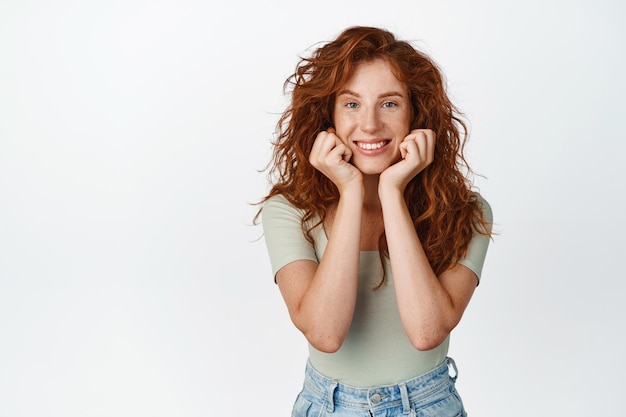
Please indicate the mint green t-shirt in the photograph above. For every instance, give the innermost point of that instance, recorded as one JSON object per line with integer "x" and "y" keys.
{"x": 376, "y": 350}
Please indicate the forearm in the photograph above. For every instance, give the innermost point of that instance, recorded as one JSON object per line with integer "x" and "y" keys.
{"x": 426, "y": 308}
{"x": 329, "y": 302}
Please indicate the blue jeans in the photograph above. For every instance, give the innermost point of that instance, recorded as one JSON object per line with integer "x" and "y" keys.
{"x": 429, "y": 395}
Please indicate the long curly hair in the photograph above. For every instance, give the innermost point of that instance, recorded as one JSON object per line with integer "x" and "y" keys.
{"x": 443, "y": 207}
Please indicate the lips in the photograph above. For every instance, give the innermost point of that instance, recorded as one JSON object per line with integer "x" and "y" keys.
{"x": 372, "y": 146}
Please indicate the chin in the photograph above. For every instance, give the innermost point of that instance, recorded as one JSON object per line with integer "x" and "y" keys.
{"x": 372, "y": 167}
{"x": 372, "y": 170}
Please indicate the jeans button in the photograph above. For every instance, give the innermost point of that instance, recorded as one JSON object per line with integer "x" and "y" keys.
{"x": 376, "y": 398}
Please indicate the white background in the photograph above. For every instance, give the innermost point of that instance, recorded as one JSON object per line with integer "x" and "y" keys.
{"x": 131, "y": 136}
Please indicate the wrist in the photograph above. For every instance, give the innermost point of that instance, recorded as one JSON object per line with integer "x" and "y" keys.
{"x": 353, "y": 187}
{"x": 390, "y": 190}
{"x": 354, "y": 190}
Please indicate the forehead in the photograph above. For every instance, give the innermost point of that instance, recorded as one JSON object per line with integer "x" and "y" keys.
{"x": 375, "y": 74}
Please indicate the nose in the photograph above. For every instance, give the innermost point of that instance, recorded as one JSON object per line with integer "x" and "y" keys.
{"x": 370, "y": 120}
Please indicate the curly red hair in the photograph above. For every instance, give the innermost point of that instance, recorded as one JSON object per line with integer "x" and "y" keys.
{"x": 444, "y": 209}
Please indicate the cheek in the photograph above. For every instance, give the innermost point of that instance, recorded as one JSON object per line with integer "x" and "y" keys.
{"x": 404, "y": 127}
{"x": 343, "y": 128}
{"x": 343, "y": 136}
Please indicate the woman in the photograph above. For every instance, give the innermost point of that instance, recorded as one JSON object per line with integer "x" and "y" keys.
{"x": 375, "y": 237}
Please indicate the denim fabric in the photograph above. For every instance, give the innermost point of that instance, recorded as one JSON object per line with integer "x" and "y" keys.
{"x": 430, "y": 395}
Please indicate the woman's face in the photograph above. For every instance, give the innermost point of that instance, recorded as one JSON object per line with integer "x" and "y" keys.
{"x": 372, "y": 116}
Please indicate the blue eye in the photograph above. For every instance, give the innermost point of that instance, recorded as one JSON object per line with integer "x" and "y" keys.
{"x": 389, "y": 104}
{"x": 351, "y": 105}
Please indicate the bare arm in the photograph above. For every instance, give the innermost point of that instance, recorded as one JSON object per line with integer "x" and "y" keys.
{"x": 429, "y": 306}
{"x": 321, "y": 298}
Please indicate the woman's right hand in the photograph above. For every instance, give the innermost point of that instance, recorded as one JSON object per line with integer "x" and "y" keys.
{"x": 330, "y": 156}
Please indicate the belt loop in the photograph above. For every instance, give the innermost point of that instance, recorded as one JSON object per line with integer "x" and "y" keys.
{"x": 452, "y": 364}
{"x": 331, "y": 396}
{"x": 406, "y": 406}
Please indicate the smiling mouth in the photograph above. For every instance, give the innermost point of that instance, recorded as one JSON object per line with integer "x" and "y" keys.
{"x": 372, "y": 146}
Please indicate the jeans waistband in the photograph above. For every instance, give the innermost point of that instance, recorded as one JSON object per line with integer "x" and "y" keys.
{"x": 382, "y": 396}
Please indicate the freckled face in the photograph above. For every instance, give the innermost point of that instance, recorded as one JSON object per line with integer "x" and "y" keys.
{"x": 372, "y": 116}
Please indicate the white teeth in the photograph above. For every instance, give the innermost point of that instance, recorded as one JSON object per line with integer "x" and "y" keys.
{"x": 371, "y": 146}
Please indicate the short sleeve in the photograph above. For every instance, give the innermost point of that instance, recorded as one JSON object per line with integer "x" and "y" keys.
{"x": 477, "y": 249}
{"x": 282, "y": 229}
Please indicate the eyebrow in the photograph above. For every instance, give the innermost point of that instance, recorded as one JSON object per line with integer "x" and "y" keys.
{"x": 387, "y": 94}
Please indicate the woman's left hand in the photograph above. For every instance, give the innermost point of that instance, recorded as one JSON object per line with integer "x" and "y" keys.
{"x": 417, "y": 151}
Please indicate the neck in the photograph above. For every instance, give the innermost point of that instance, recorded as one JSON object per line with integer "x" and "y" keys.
{"x": 371, "y": 200}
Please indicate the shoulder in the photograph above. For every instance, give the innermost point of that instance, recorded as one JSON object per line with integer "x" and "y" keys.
{"x": 478, "y": 245}
{"x": 485, "y": 207}
{"x": 278, "y": 213}
{"x": 285, "y": 238}
{"x": 277, "y": 200}
{"x": 277, "y": 206}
